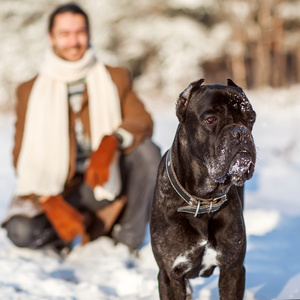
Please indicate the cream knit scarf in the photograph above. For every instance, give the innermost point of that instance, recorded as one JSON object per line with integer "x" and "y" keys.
{"x": 43, "y": 163}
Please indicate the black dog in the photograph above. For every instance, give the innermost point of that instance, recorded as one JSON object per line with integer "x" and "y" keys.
{"x": 197, "y": 221}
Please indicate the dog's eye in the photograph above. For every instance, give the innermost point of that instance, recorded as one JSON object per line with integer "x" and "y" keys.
{"x": 210, "y": 120}
{"x": 252, "y": 119}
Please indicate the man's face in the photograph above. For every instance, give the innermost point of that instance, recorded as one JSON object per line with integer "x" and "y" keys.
{"x": 69, "y": 36}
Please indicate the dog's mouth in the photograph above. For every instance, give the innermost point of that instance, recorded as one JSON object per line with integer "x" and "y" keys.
{"x": 233, "y": 168}
{"x": 241, "y": 168}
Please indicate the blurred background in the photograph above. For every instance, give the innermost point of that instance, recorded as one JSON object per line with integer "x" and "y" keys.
{"x": 165, "y": 44}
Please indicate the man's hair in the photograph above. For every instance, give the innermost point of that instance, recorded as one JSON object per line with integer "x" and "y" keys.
{"x": 69, "y": 7}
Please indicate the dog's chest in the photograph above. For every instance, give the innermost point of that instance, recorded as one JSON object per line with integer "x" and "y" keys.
{"x": 209, "y": 260}
{"x": 202, "y": 255}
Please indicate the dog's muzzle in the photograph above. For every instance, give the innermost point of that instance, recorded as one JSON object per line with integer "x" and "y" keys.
{"x": 235, "y": 156}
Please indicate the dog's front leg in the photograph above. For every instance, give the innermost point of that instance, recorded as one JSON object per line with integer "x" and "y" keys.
{"x": 171, "y": 289}
{"x": 232, "y": 283}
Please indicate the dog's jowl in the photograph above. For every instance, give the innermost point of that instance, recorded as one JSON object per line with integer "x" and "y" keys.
{"x": 197, "y": 215}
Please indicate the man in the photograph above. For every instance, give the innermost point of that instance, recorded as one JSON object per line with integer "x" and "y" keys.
{"x": 80, "y": 132}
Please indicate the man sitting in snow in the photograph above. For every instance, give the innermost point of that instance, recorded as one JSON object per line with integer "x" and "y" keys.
{"x": 85, "y": 163}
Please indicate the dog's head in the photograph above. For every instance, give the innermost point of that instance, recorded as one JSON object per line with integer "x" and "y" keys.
{"x": 218, "y": 122}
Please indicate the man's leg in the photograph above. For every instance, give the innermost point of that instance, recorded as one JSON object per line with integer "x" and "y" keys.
{"x": 36, "y": 232}
{"x": 139, "y": 169}
{"x": 99, "y": 215}
{"x": 31, "y": 232}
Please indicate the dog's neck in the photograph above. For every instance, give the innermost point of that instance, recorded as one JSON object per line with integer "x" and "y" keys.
{"x": 191, "y": 171}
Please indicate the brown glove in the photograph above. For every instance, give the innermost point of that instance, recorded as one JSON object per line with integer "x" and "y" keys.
{"x": 66, "y": 220}
{"x": 97, "y": 172}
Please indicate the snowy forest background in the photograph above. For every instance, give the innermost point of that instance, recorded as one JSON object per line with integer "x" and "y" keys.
{"x": 167, "y": 44}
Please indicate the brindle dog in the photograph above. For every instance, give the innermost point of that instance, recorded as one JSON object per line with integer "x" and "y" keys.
{"x": 197, "y": 220}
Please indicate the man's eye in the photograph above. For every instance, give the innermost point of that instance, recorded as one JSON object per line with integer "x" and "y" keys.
{"x": 210, "y": 120}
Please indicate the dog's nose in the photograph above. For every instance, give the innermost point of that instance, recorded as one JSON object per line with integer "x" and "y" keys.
{"x": 240, "y": 134}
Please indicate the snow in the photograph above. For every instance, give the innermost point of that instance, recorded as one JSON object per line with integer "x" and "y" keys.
{"x": 101, "y": 270}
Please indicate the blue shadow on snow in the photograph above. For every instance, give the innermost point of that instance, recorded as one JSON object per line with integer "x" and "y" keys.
{"x": 273, "y": 259}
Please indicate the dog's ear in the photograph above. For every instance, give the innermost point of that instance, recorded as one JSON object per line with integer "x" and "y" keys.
{"x": 231, "y": 83}
{"x": 184, "y": 98}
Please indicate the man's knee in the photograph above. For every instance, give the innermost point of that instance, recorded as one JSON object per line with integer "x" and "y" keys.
{"x": 146, "y": 155}
{"x": 150, "y": 152}
{"x": 20, "y": 231}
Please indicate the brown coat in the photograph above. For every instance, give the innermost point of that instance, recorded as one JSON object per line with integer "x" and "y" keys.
{"x": 135, "y": 119}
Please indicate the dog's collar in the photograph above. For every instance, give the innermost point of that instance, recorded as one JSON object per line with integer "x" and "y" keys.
{"x": 195, "y": 205}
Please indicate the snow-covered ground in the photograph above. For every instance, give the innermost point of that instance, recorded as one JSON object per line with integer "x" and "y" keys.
{"x": 100, "y": 270}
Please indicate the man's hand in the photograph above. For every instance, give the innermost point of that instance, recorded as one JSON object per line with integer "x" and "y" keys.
{"x": 66, "y": 220}
{"x": 97, "y": 172}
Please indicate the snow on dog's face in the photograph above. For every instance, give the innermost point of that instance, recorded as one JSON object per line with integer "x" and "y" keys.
{"x": 218, "y": 121}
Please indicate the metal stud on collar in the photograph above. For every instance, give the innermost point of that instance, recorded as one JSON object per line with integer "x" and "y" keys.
{"x": 197, "y": 210}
